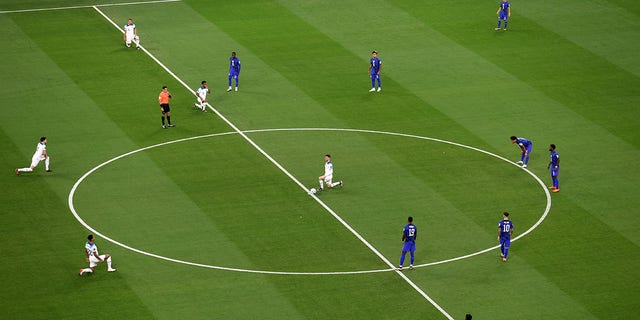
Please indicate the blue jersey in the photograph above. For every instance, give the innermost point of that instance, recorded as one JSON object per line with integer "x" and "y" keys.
{"x": 375, "y": 65}
{"x": 523, "y": 142}
{"x": 504, "y": 7}
{"x": 505, "y": 227}
{"x": 234, "y": 65}
{"x": 555, "y": 159}
{"x": 410, "y": 231}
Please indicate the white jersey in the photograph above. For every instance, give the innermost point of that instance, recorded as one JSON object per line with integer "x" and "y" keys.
{"x": 91, "y": 249}
{"x": 328, "y": 169}
{"x": 41, "y": 148}
{"x": 202, "y": 93}
{"x": 129, "y": 30}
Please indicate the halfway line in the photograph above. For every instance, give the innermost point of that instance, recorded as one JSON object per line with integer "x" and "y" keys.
{"x": 294, "y": 179}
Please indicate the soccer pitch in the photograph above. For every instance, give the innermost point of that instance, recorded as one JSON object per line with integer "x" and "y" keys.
{"x": 211, "y": 219}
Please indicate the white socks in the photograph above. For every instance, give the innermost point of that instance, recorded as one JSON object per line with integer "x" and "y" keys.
{"x": 46, "y": 163}
{"x": 321, "y": 184}
{"x": 25, "y": 169}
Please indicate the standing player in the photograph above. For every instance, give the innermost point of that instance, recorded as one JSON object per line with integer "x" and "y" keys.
{"x": 92, "y": 256}
{"x": 505, "y": 230}
{"x": 504, "y": 12}
{"x": 554, "y": 168}
{"x": 526, "y": 146}
{"x": 201, "y": 95}
{"x": 375, "y": 64}
{"x": 131, "y": 35}
{"x": 328, "y": 174}
{"x": 409, "y": 234}
{"x": 234, "y": 70}
{"x": 39, "y": 155}
{"x": 163, "y": 99}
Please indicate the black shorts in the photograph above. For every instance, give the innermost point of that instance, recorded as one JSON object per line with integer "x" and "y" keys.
{"x": 165, "y": 108}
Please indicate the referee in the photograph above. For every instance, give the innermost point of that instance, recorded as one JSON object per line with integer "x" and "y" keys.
{"x": 163, "y": 99}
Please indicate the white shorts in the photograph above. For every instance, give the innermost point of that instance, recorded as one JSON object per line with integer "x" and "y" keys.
{"x": 200, "y": 100}
{"x": 93, "y": 261}
{"x": 328, "y": 178}
{"x": 130, "y": 38}
{"x": 36, "y": 160}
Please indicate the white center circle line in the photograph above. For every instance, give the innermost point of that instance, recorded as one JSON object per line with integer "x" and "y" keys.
{"x": 88, "y": 227}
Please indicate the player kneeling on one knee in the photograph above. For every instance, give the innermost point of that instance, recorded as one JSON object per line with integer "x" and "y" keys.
{"x": 328, "y": 174}
{"x": 93, "y": 258}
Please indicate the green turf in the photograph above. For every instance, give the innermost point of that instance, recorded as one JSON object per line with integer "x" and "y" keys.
{"x": 557, "y": 76}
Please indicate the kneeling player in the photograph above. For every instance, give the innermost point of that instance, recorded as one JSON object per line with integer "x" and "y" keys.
{"x": 131, "y": 35}
{"x": 91, "y": 252}
{"x": 39, "y": 155}
{"x": 328, "y": 174}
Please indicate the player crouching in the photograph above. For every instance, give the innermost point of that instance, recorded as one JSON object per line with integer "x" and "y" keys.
{"x": 92, "y": 256}
{"x": 328, "y": 174}
{"x": 131, "y": 35}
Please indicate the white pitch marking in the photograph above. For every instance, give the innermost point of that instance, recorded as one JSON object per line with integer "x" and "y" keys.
{"x": 77, "y": 216}
{"x": 294, "y": 179}
{"x": 544, "y": 186}
{"x": 72, "y": 208}
{"x": 88, "y": 6}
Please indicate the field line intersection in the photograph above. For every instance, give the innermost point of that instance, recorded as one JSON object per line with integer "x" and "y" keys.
{"x": 242, "y": 133}
{"x": 88, "y": 6}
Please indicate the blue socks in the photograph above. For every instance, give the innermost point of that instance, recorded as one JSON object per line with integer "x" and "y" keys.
{"x": 237, "y": 80}
{"x": 556, "y": 183}
{"x": 404, "y": 255}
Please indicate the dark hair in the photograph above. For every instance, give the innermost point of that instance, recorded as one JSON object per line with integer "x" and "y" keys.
{"x": 506, "y": 214}
{"x": 43, "y": 138}
{"x": 553, "y": 146}
{"x": 468, "y": 316}
{"x": 233, "y": 52}
{"x": 410, "y": 219}
{"x": 327, "y": 155}
{"x": 164, "y": 87}
{"x": 203, "y": 82}
{"x": 90, "y": 237}
{"x": 372, "y": 52}
{"x": 514, "y": 137}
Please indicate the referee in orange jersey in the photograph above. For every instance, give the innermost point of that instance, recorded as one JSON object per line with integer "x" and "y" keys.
{"x": 163, "y": 99}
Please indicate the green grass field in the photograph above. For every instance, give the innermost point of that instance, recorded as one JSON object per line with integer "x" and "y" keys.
{"x": 566, "y": 73}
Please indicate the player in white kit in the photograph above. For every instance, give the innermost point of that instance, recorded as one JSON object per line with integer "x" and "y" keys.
{"x": 39, "y": 155}
{"x": 328, "y": 174}
{"x": 201, "y": 95}
{"x": 93, "y": 257}
{"x": 131, "y": 34}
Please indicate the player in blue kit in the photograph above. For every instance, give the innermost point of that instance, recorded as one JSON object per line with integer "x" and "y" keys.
{"x": 409, "y": 233}
{"x": 505, "y": 230}
{"x": 526, "y": 146}
{"x": 554, "y": 168}
{"x": 504, "y": 12}
{"x": 374, "y": 71}
{"x": 234, "y": 70}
